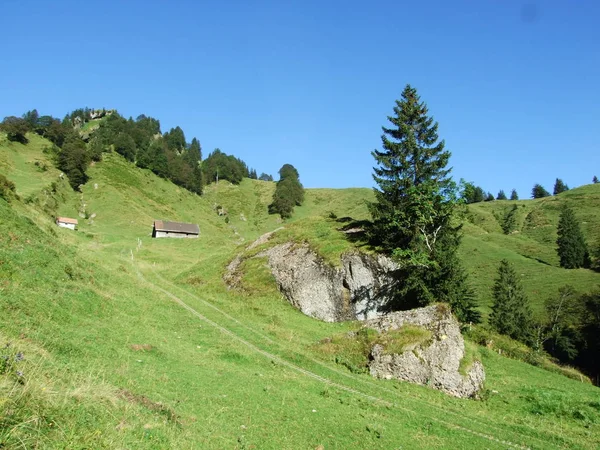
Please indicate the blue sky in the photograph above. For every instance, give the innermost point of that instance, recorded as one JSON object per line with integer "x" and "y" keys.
{"x": 513, "y": 84}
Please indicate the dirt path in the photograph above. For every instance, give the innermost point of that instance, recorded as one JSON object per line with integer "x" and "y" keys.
{"x": 307, "y": 373}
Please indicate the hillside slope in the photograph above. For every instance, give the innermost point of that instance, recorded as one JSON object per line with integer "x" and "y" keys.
{"x": 134, "y": 342}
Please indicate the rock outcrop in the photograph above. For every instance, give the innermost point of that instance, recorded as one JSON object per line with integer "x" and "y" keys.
{"x": 359, "y": 289}
{"x": 435, "y": 363}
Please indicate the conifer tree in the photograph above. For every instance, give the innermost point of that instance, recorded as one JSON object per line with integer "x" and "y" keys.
{"x": 501, "y": 195}
{"x": 595, "y": 179}
{"x": 510, "y": 220}
{"x": 195, "y": 150}
{"x": 538, "y": 191}
{"x": 413, "y": 207}
{"x": 489, "y": 197}
{"x": 560, "y": 186}
{"x": 511, "y": 314}
{"x": 572, "y": 249}
{"x": 514, "y": 195}
{"x": 289, "y": 192}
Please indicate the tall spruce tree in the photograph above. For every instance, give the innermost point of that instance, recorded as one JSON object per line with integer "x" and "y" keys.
{"x": 560, "y": 186}
{"x": 412, "y": 212}
{"x": 501, "y": 195}
{"x": 595, "y": 179}
{"x": 511, "y": 314}
{"x": 514, "y": 195}
{"x": 572, "y": 249}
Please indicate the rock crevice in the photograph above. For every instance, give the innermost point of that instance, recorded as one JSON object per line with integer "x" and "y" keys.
{"x": 359, "y": 289}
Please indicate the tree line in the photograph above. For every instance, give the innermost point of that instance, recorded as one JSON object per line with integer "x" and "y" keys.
{"x": 139, "y": 141}
{"x": 470, "y": 193}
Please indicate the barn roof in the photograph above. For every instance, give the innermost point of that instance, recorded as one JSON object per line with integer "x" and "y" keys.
{"x": 176, "y": 227}
{"x": 66, "y": 220}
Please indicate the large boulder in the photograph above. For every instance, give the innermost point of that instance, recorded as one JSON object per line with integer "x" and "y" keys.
{"x": 359, "y": 289}
{"x": 434, "y": 363}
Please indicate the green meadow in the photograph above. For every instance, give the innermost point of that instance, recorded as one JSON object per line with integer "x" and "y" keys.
{"x": 132, "y": 342}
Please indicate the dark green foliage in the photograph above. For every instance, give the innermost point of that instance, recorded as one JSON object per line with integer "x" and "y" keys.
{"x": 538, "y": 191}
{"x": 572, "y": 249}
{"x": 175, "y": 139}
{"x": 15, "y": 129}
{"x": 125, "y": 146}
{"x": 559, "y": 186}
{"x": 57, "y": 132}
{"x": 253, "y": 175}
{"x": 220, "y": 166}
{"x": 265, "y": 177}
{"x": 514, "y": 195}
{"x": 509, "y": 223}
{"x": 31, "y": 117}
{"x": 563, "y": 337}
{"x": 472, "y": 194}
{"x": 501, "y": 195}
{"x": 511, "y": 314}
{"x": 489, "y": 197}
{"x": 289, "y": 192}
{"x": 413, "y": 209}
{"x": 195, "y": 150}
{"x": 7, "y": 188}
{"x": 595, "y": 179}
{"x": 155, "y": 158}
{"x": 588, "y": 357}
{"x": 73, "y": 160}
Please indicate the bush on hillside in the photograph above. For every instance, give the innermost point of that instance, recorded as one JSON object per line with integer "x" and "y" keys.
{"x": 7, "y": 188}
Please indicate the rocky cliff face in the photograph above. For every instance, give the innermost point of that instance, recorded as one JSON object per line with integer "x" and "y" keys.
{"x": 359, "y": 289}
{"x": 435, "y": 363}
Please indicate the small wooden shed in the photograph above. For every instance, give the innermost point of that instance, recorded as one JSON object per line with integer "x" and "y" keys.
{"x": 66, "y": 222}
{"x": 164, "y": 228}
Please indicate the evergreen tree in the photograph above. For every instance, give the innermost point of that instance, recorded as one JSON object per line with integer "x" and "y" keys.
{"x": 595, "y": 179}
{"x": 501, "y": 195}
{"x": 559, "y": 186}
{"x": 572, "y": 249}
{"x": 31, "y": 117}
{"x": 265, "y": 177}
{"x": 489, "y": 197}
{"x": 73, "y": 160}
{"x": 196, "y": 150}
{"x": 538, "y": 191}
{"x": 125, "y": 145}
{"x": 514, "y": 195}
{"x": 510, "y": 220}
{"x": 414, "y": 204}
{"x": 289, "y": 192}
{"x": 175, "y": 139}
{"x": 471, "y": 193}
{"x": 511, "y": 314}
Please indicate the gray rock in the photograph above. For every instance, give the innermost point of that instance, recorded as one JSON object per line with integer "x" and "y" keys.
{"x": 359, "y": 289}
{"x": 435, "y": 363}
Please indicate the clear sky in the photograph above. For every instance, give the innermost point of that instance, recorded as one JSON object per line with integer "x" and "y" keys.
{"x": 514, "y": 85}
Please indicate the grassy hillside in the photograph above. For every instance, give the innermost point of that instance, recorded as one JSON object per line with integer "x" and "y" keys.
{"x": 132, "y": 342}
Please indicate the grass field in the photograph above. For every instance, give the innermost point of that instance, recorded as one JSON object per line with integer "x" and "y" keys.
{"x": 131, "y": 342}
